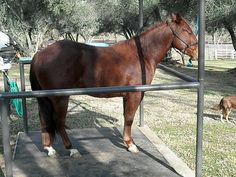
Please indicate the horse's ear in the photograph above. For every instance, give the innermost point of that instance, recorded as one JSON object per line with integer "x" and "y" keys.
{"x": 175, "y": 17}
{"x": 168, "y": 20}
{"x": 171, "y": 18}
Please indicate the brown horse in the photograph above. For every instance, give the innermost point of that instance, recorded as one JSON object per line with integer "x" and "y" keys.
{"x": 66, "y": 64}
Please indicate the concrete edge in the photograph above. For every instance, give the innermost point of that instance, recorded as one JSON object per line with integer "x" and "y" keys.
{"x": 17, "y": 139}
{"x": 178, "y": 164}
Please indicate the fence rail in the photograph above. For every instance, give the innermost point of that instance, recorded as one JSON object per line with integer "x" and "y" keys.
{"x": 220, "y": 51}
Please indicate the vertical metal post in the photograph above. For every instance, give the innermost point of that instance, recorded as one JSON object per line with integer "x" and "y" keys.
{"x": 140, "y": 14}
{"x": 141, "y": 113}
{"x": 6, "y": 89}
{"x": 22, "y": 82}
{"x": 200, "y": 98}
{"x": 6, "y": 138}
{"x": 141, "y": 110}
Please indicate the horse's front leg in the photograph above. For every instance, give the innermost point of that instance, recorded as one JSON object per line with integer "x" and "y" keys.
{"x": 130, "y": 103}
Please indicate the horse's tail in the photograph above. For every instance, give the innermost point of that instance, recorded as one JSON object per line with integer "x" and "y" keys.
{"x": 45, "y": 106}
{"x": 218, "y": 107}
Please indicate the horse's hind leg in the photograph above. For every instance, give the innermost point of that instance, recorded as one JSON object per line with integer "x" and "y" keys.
{"x": 60, "y": 105}
{"x": 130, "y": 103}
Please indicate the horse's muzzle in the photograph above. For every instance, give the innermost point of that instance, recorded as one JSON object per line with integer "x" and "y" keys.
{"x": 195, "y": 54}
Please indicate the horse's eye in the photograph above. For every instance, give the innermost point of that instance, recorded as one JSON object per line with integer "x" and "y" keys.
{"x": 189, "y": 32}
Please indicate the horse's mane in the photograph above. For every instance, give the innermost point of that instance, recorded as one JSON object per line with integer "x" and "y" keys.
{"x": 146, "y": 30}
{"x": 152, "y": 27}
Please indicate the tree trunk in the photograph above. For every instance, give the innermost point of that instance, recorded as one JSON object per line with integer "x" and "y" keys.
{"x": 230, "y": 28}
{"x": 157, "y": 14}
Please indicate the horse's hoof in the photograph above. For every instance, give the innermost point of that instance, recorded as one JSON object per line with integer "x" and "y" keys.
{"x": 75, "y": 153}
{"x": 52, "y": 155}
{"x": 133, "y": 148}
{"x": 51, "y": 152}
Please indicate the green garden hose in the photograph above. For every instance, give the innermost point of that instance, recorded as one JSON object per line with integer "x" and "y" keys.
{"x": 16, "y": 103}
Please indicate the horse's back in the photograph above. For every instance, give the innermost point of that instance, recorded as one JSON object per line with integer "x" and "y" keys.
{"x": 68, "y": 64}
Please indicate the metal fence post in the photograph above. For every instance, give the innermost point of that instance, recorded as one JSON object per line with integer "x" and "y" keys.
{"x": 200, "y": 98}
{"x": 24, "y": 108}
{"x": 6, "y": 138}
{"x": 6, "y": 89}
{"x": 141, "y": 106}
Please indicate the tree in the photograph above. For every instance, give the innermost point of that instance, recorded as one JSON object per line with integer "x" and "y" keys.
{"x": 221, "y": 15}
{"x": 25, "y": 22}
{"x": 28, "y": 23}
{"x": 73, "y": 18}
{"x": 122, "y": 16}
{"x": 114, "y": 15}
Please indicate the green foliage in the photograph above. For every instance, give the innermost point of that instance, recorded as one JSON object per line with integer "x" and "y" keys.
{"x": 221, "y": 15}
{"x": 122, "y": 16}
{"x": 25, "y": 22}
{"x": 29, "y": 23}
{"x": 187, "y": 8}
{"x": 218, "y": 12}
{"x": 116, "y": 16}
{"x": 74, "y": 17}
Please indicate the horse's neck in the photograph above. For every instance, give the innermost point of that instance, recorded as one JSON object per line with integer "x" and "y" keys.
{"x": 156, "y": 42}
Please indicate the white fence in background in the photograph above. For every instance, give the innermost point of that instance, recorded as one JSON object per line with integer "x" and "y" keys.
{"x": 220, "y": 51}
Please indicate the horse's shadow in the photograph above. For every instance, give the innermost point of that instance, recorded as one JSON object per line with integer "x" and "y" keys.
{"x": 212, "y": 116}
{"x": 86, "y": 117}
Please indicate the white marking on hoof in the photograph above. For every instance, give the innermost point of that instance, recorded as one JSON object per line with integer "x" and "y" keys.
{"x": 51, "y": 151}
{"x": 133, "y": 148}
{"x": 74, "y": 153}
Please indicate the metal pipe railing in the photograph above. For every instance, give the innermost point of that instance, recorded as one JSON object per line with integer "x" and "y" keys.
{"x": 98, "y": 90}
{"x": 67, "y": 92}
{"x": 176, "y": 73}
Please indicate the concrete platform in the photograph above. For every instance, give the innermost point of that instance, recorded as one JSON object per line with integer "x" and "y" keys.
{"x": 103, "y": 155}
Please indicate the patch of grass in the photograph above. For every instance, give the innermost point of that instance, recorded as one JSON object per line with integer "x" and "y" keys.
{"x": 181, "y": 139}
{"x": 219, "y": 65}
{"x": 219, "y": 140}
{"x": 219, "y": 153}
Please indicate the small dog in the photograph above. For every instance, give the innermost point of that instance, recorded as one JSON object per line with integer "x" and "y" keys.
{"x": 225, "y": 105}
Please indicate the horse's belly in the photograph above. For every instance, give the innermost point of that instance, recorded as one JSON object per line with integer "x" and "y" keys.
{"x": 108, "y": 95}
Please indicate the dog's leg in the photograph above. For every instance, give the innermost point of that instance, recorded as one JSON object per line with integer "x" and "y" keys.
{"x": 221, "y": 115}
{"x": 227, "y": 114}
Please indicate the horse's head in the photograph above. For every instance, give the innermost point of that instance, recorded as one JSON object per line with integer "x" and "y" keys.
{"x": 183, "y": 36}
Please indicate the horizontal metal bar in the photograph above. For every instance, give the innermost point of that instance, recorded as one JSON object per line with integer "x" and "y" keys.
{"x": 176, "y": 73}
{"x": 25, "y": 61}
{"x": 99, "y": 90}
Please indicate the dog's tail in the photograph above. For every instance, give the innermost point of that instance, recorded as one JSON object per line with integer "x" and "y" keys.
{"x": 218, "y": 107}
